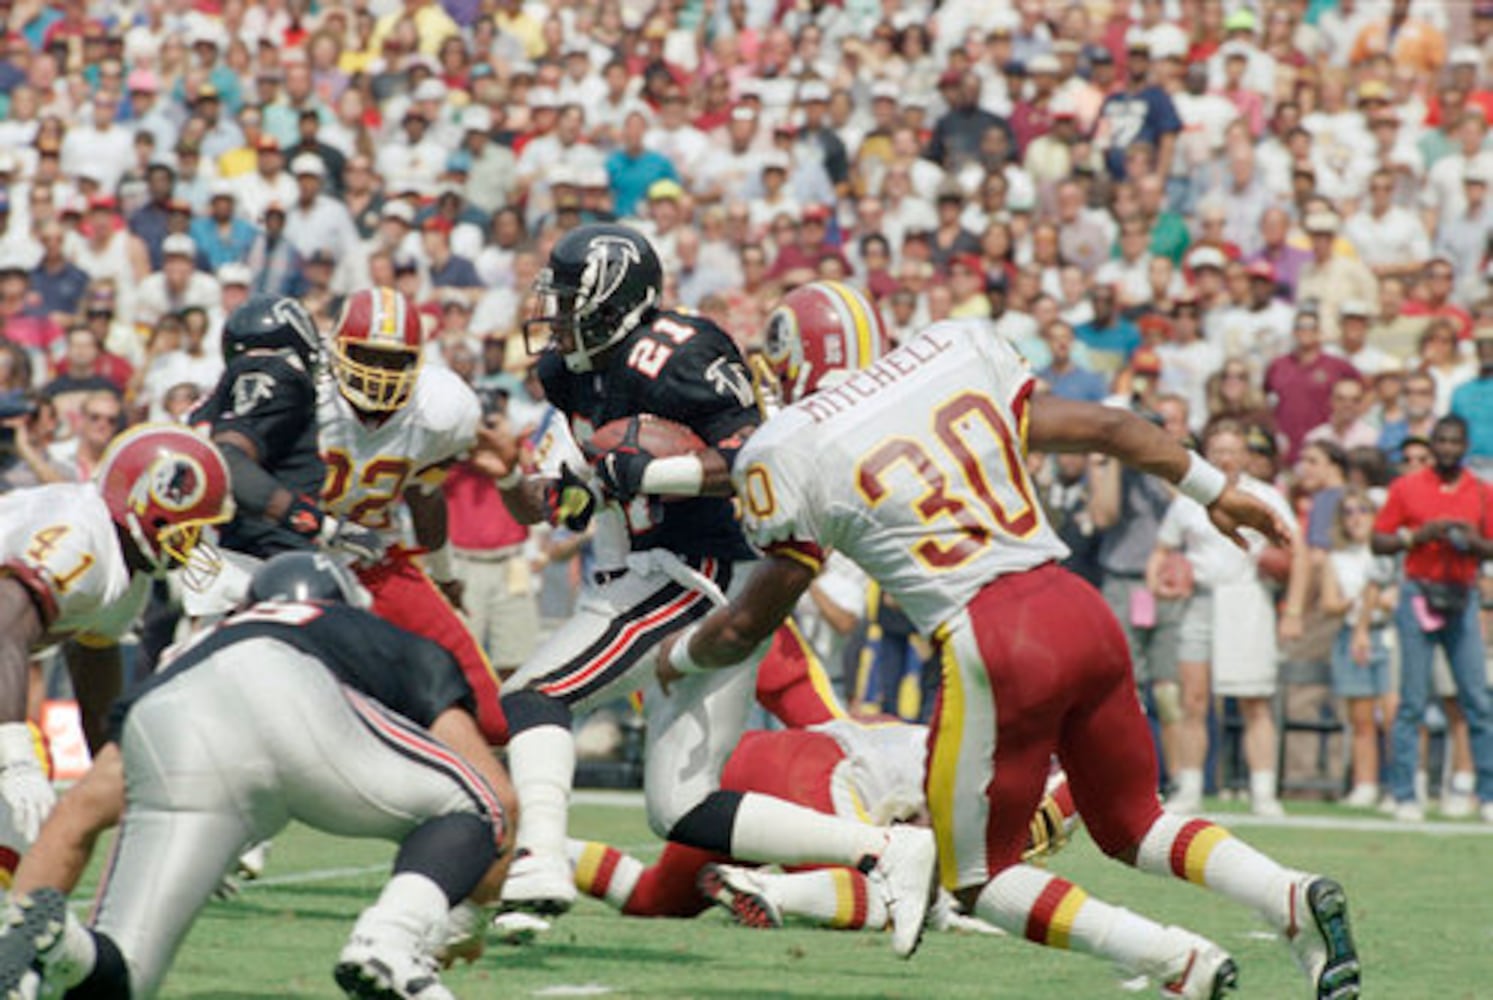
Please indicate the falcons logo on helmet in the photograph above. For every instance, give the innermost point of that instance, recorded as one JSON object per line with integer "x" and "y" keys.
{"x": 605, "y": 271}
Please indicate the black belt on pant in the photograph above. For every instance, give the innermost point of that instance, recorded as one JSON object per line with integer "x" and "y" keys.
{"x": 602, "y": 577}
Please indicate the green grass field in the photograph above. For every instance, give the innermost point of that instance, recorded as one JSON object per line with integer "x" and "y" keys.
{"x": 1422, "y": 909}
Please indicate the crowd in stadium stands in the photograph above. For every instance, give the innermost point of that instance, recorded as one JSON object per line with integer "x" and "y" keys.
{"x": 1263, "y": 223}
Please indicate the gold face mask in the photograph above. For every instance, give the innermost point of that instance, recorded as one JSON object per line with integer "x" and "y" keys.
{"x": 375, "y": 379}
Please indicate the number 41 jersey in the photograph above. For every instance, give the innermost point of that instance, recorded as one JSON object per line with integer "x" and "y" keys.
{"x": 914, "y": 468}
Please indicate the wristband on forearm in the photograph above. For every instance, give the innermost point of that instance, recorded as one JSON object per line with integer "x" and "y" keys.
{"x": 679, "y": 657}
{"x": 510, "y": 479}
{"x": 676, "y": 475}
{"x": 1204, "y": 481}
{"x": 438, "y": 564}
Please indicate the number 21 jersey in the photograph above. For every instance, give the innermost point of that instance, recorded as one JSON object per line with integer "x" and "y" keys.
{"x": 914, "y": 468}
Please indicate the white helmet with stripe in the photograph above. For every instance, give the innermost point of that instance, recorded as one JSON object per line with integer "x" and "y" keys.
{"x": 376, "y": 349}
{"x": 820, "y": 333}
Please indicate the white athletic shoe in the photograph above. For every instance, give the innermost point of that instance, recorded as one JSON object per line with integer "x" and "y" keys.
{"x": 904, "y": 877}
{"x": 1179, "y": 804}
{"x": 539, "y": 882}
{"x": 1321, "y": 939}
{"x": 1268, "y": 808}
{"x": 253, "y": 862}
{"x": 1456, "y": 805}
{"x": 1203, "y": 970}
{"x": 741, "y": 893}
{"x": 1409, "y": 812}
{"x": 382, "y": 961}
{"x": 1486, "y": 812}
{"x": 32, "y": 927}
{"x": 944, "y": 915}
{"x": 1362, "y": 797}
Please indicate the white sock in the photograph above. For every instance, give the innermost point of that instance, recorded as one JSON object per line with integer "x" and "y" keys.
{"x": 1262, "y": 786}
{"x": 413, "y": 904}
{"x": 770, "y": 830}
{"x": 1027, "y": 902}
{"x": 1461, "y": 783}
{"x": 1206, "y": 853}
{"x": 1422, "y": 787}
{"x": 541, "y": 762}
{"x": 1190, "y": 783}
{"x": 836, "y": 897}
{"x": 76, "y": 958}
{"x": 603, "y": 872}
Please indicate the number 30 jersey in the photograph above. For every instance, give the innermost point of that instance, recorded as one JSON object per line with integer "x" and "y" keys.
{"x": 60, "y": 544}
{"x": 370, "y": 464}
{"x": 914, "y": 468}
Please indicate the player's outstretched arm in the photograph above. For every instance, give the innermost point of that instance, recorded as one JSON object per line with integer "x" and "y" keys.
{"x": 729, "y": 634}
{"x": 97, "y": 672}
{"x": 60, "y": 854}
{"x": 1055, "y": 424}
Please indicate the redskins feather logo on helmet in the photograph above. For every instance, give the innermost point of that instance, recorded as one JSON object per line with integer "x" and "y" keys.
{"x": 164, "y": 485}
{"x": 818, "y": 334}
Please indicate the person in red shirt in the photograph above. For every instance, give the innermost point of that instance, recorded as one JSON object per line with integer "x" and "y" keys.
{"x": 491, "y": 563}
{"x": 1301, "y": 382}
{"x": 1442, "y": 518}
{"x": 1434, "y": 299}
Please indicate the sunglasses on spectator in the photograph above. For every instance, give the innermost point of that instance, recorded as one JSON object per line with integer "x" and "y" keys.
{"x": 97, "y": 417}
{"x": 1353, "y": 509}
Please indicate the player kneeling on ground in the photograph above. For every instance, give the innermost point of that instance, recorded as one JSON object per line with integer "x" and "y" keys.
{"x": 297, "y": 707}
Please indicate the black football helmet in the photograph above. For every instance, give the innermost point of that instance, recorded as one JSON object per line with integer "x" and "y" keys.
{"x": 601, "y": 282}
{"x": 305, "y": 576}
{"x": 272, "y": 322}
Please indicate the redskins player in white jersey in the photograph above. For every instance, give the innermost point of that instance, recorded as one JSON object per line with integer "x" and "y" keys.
{"x": 915, "y": 468}
{"x": 76, "y": 561}
{"x": 388, "y": 426}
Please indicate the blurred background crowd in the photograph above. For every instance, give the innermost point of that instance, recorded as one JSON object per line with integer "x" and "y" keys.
{"x": 1264, "y": 223}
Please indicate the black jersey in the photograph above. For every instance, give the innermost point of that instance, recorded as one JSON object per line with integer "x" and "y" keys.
{"x": 685, "y": 369}
{"x": 400, "y": 670}
{"x": 269, "y": 398}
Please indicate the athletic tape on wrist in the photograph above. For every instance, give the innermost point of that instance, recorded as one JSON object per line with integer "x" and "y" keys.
{"x": 679, "y": 657}
{"x": 1204, "y": 481}
{"x": 509, "y": 479}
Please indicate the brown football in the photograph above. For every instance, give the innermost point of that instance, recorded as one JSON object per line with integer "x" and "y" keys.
{"x": 658, "y": 437}
{"x": 1274, "y": 564}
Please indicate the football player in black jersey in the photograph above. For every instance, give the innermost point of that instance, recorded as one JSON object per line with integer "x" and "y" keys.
{"x": 612, "y": 352}
{"x": 262, "y": 416}
{"x": 285, "y": 710}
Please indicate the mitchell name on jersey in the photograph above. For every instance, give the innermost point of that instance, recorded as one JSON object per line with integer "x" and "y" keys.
{"x": 931, "y": 507}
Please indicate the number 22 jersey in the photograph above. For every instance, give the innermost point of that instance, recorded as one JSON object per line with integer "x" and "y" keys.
{"x": 914, "y": 468}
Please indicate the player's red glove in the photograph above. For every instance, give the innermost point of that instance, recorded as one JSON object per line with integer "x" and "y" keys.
{"x": 621, "y": 469}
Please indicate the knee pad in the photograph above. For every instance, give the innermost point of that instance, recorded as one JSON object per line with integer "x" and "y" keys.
{"x": 528, "y": 709}
{"x": 708, "y": 825}
{"x": 1167, "y": 697}
{"x": 453, "y": 851}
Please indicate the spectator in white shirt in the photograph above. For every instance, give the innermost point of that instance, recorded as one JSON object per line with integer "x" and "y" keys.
{"x": 674, "y": 137}
{"x": 178, "y": 284}
{"x": 316, "y": 222}
{"x": 103, "y": 145}
{"x": 1130, "y": 273}
{"x": 1391, "y": 240}
{"x": 1353, "y": 341}
{"x": 413, "y": 159}
{"x": 1444, "y": 195}
{"x": 269, "y": 183}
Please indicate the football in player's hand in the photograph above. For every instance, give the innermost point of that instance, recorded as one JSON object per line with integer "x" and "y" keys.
{"x": 1274, "y": 565}
{"x": 658, "y": 437}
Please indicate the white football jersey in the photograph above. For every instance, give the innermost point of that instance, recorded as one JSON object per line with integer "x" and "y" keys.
{"x": 915, "y": 468}
{"x": 369, "y": 465}
{"x": 554, "y": 446}
{"x": 60, "y": 541}
{"x": 882, "y": 770}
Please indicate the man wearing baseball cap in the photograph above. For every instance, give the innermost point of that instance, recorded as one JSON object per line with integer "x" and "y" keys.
{"x": 316, "y": 222}
{"x": 1138, "y": 101}
{"x": 222, "y": 235}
